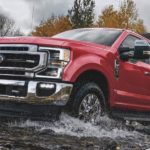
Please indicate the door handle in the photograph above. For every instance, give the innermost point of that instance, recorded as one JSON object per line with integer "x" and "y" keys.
{"x": 147, "y": 73}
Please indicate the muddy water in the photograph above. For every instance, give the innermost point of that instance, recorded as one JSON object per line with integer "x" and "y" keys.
{"x": 71, "y": 134}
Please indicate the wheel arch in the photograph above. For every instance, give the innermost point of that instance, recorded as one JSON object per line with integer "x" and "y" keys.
{"x": 97, "y": 77}
{"x": 94, "y": 76}
{"x": 94, "y": 69}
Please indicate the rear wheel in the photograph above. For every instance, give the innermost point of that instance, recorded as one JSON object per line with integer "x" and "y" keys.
{"x": 89, "y": 102}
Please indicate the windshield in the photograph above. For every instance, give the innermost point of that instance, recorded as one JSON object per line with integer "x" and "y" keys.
{"x": 98, "y": 35}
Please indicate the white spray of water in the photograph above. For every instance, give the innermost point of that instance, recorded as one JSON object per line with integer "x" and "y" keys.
{"x": 72, "y": 126}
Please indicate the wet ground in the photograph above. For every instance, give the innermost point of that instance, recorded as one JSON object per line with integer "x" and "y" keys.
{"x": 72, "y": 134}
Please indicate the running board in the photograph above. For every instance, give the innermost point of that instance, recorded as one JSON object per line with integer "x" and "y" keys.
{"x": 131, "y": 115}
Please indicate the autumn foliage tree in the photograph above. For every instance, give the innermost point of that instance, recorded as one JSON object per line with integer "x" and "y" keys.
{"x": 52, "y": 26}
{"x": 82, "y": 13}
{"x": 125, "y": 17}
{"x": 108, "y": 18}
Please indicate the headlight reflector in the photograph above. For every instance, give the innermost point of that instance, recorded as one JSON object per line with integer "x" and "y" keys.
{"x": 58, "y": 58}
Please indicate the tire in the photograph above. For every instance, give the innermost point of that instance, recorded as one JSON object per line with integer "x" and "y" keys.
{"x": 88, "y": 102}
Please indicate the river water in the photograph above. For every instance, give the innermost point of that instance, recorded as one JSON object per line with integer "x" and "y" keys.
{"x": 69, "y": 133}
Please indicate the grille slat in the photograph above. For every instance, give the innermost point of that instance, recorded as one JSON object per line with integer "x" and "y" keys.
{"x": 19, "y": 60}
{"x": 9, "y": 72}
{"x": 11, "y": 48}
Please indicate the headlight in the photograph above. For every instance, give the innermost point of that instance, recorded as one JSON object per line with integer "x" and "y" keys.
{"x": 66, "y": 55}
{"x": 58, "y": 58}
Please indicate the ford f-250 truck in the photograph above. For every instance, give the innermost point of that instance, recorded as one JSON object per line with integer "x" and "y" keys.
{"x": 91, "y": 71}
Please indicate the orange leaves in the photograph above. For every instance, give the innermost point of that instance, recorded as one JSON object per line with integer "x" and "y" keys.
{"x": 52, "y": 26}
{"x": 108, "y": 18}
{"x": 125, "y": 17}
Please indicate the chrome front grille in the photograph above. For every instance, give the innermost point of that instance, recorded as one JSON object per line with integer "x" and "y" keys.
{"x": 21, "y": 60}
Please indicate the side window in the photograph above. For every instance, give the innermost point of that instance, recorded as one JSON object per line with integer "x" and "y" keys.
{"x": 129, "y": 41}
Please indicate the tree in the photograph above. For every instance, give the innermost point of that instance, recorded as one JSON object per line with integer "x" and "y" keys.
{"x": 125, "y": 17}
{"x": 52, "y": 26}
{"x": 82, "y": 13}
{"x": 139, "y": 27}
{"x": 109, "y": 18}
{"x": 7, "y": 27}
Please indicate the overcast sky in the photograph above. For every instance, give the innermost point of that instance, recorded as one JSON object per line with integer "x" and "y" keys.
{"x": 28, "y": 13}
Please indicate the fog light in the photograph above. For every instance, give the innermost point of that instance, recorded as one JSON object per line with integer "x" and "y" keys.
{"x": 47, "y": 86}
{"x": 45, "y": 89}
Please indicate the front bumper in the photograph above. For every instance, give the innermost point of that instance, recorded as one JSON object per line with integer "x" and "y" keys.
{"x": 28, "y": 92}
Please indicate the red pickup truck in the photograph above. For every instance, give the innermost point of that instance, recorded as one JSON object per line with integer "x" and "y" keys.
{"x": 92, "y": 71}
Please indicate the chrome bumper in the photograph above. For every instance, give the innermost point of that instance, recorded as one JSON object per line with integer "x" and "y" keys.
{"x": 59, "y": 97}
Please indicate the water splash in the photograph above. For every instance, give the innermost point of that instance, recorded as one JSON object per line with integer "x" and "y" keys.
{"x": 72, "y": 126}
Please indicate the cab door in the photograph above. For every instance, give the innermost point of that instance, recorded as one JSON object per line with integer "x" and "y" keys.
{"x": 133, "y": 83}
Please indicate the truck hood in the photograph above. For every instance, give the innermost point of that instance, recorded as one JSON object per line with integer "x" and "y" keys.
{"x": 31, "y": 40}
{"x": 54, "y": 42}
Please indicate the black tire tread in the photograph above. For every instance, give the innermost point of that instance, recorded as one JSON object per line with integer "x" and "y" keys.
{"x": 82, "y": 91}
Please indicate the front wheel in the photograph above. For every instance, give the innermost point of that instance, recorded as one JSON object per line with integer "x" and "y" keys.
{"x": 89, "y": 102}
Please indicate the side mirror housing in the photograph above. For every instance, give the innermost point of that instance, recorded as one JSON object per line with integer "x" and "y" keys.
{"x": 124, "y": 50}
{"x": 142, "y": 49}
{"x": 126, "y": 55}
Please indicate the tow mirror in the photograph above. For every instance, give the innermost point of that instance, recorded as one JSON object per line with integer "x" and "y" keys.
{"x": 124, "y": 49}
{"x": 126, "y": 53}
{"x": 142, "y": 49}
